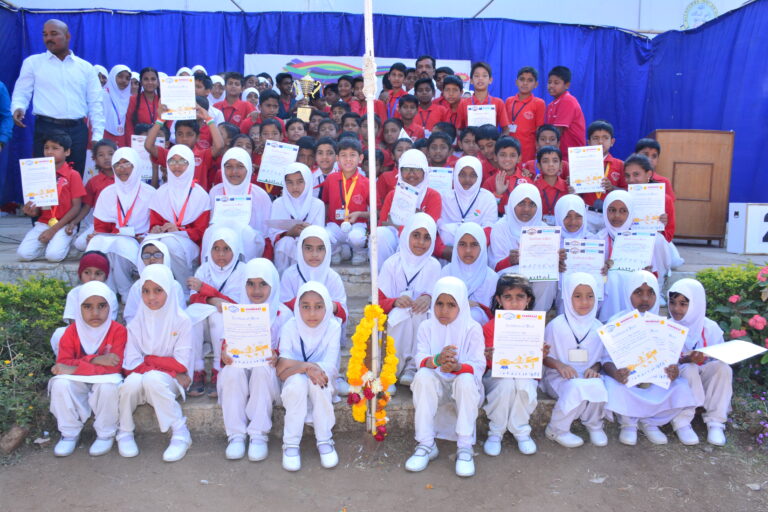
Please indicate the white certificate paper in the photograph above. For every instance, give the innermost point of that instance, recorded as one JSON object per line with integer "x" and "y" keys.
{"x": 108, "y": 378}
{"x": 539, "y": 257}
{"x": 145, "y": 163}
{"x": 731, "y": 352}
{"x": 441, "y": 179}
{"x": 585, "y": 255}
{"x": 628, "y": 343}
{"x": 670, "y": 338}
{"x": 647, "y": 206}
{"x": 179, "y": 98}
{"x": 277, "y": 156}
{"x": 248, "y": 335}
{"x": 478, "y": 115}
{"x": 585, "y": 169}
{"x": 518, "y": 340}
{"x": 38, "y": 181}
{"x": 231, "y": 210}
{"x": 633, "y": 250}
{"x": 404, "y": 203}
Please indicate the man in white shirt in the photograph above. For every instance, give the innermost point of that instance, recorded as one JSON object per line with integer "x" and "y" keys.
{"x": 66, "y": 90}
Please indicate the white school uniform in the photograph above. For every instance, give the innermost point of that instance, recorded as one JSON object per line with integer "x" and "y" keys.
{"x": 133, "y": 302}
{"x": 577, "y": 398}
{"x": 404, "y": 273}
{"x": 712, "y": 382}
{"x": 71, "y": 309}
{"x": 505, "y": 236}
{"x": 459, "y": 205}
{"x": 73, "y": 401}
{"x": 446, "y": 404}
{"x": 305, "y": 208}
{"x": 247, "y": 395}
{"x": 565, "y": 205}
{"x": 304, "y": 401}
{"x": 255, "y": 231}
{"x": 116, "y": 102}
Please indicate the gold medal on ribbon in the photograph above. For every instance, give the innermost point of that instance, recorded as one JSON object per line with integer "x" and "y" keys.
{"x": 53, "y": 221}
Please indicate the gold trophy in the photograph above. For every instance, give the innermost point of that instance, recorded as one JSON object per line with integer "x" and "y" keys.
{"x": 308, "y": 87}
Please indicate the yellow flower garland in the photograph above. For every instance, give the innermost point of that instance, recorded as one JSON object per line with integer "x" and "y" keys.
{"x": 361, "y": 379}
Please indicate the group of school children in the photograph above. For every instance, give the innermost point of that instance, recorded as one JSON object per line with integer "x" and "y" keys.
{"x": 442, "y": 276}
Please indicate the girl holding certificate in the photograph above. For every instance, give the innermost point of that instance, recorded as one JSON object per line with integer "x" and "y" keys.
{"x": 293, "y": 211}
{"x": 572, "y": 370}
{"x": 405, "y": 286}
{"x": 92, "y": 346}
{"x": 236, "y": 171}
{"x": 447, "y": 389}
{"x": 247, "y": 395}
{"x": 649, "y": 406}
{"x": 121, "y": 219}
{"x": 309, "y": 352}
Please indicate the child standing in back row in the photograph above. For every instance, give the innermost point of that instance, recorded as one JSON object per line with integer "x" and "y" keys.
{"x": 564, "y": 111}
{"x": 525, "y": 112}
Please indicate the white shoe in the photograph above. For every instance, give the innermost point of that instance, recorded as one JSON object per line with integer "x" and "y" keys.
{"x": 346, "y": 252}
{"x": 330, "y": 458}
{"x": 653, "y": 434}
{"x": 177, "y": 448}
{"x": 421, "y": 457}
{"x": 257, "y": 450}
{"x": 342, "y": 386}
{"x": 687, "y": 436}
{"x": 407, "y": 378}
{"x": 336, "y": 258}
{"x": 566, "y": 439}
{"x": 291, "y": 458}
{"x": 126, "y": 446}
{"x": 465, "y": 462}
{"x": 101, "y": 446}
{"x": 492, "y": 445}
{"x": 628, "y": 436}
{"x": 392, "y": 390}
{"x": 716, "y": 435}
{"x": 235, "y": 449}
{"x": 526, "y": 445}
{"x": 598, "y": 437}
{"x": 358, "y": 258}
{"x": 65, "y": 447}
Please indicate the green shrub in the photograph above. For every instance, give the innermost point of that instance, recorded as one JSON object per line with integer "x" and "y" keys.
{"x": 30, "y": 310}
{"x": 721, "y": 283}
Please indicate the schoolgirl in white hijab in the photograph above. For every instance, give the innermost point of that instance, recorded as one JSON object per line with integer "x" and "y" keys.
{"x": 120, "y": 216}
{"x": 253, "y": 230}
{"x": 247, "y": 395}
{"x": 148, "y": 255}
{"x": 710, "y": 380}
{"x": 451, "y": 366}
{"x": 158, "y": 357}
{"x": 305, "y": 209}
{"x": 116, "y": 102}
{"x": 572, "y": 369}
{"x": 652, "y": 406}
{"x": 102, "y": 73}
{"x": 405, "y": 286}
{"x": 477, "y": 275}
{"x": 198, "y": 68}
{"x": 184, "y": 71}
{"x": 180, "y": 214}
{"x": 247, "y": 92}
{"x": 308, "y": 368}
{"x": 87, "y": 351}
{"x": 461, "y": 205}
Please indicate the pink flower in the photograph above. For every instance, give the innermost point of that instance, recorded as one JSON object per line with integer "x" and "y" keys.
{"x": 762, "y": 275}
{"x": 738, "y": 333}
{"x": 733, "y": 299}
{"x": 766, "y": 342}
{"x": 757, "y": 322}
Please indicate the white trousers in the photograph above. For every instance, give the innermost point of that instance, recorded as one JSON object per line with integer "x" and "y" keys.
{"x": 157, "y": 389}
{"x": 591, "y": 415}
{"x": 404, "y": 334}
{"x": 54, "y": 251}
{"x": 355, "y": 238}
{"x": 246, "y": 396}
{"x": 299, "y": 395}
{"x": 285, "y": 253}
{"x": 388, "y": 241}
{"x": 430, "y": 390}
{"x": 713, "y": 383}
{"x": 253, "y": 242}
{"x": 662, "y": 260}
{"x": 81, "y": 242}
{"x": 680, "y": 417}
{"x": 595, "y": 221}
{"x": 183, "y": 262}
{"x": 72, "y": 403}
{"x": 545, "y": 293}
{"x": 509, "y": 405}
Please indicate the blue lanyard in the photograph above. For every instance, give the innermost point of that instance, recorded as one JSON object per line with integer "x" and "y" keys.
{"x": 465, "y": 213}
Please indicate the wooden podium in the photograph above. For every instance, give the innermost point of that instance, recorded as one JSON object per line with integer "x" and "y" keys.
{"x": 698, "y": 162}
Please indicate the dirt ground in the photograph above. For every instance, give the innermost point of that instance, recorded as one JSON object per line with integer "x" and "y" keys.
{"x": 370, "y": 477}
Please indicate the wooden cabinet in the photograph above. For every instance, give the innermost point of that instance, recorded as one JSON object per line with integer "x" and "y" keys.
{"x": 698, "y": 162}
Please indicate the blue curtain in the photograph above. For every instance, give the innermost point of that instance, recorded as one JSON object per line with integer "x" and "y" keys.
{"x": 613, "y": 71}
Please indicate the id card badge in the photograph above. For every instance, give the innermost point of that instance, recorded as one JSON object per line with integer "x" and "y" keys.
{"x": 127, "y": 231}
{"x": 120, "y": 130}
{"x": 407, "y": 293}
{"x": 549, "y": 220}
{"x": 577, "y": 355}
{"x": 513, "y": 128}
{"x": 340, "y": 214}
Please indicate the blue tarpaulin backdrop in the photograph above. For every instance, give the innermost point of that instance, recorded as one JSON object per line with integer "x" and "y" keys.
{"x": 714, "y": 77}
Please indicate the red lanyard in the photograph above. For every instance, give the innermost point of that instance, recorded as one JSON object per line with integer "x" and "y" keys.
{"x": 610, "y": 246}
{"x": 549, "y": 207}
{"x": 178, "y": 218}
{"x": 122, "y": 218}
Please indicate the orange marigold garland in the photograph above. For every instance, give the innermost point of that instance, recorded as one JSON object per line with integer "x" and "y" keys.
{"x": 363, "y": 384}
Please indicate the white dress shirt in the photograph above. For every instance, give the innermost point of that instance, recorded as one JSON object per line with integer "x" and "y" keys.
{"x": 63, "y": 89}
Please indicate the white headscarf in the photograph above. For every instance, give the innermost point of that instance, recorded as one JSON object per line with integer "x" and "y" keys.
{"x": 116, "y": 101}
{"x": 458, "y": 329}
{"x": 637, "y": 279}
{"x": 313, "y": 336}
{"x": 473, "y": 275}
{"x": 697, "y": 307}
{"x": 624, "y": 197}
{"x": 132, "y": 193}
{"x": 465, "y": 198}
{"x": 320, "y": 272}
{"x": 507, "y": 232}
{"x": 91, "y": 338}
{"x": 170, "y": 198}
{"x": 209, "y": 272}
{"x": 298, "y": 207}
{"x": 216, "y": 79}
{"x": 567, "y": 203}
{"x": 244, "y": 158}
{"x": 198, "y": 67}
{"x": 414, "y": 158}
{"x": 179, "y": 185}
{"x": 184, "y": 69}
{"x": 412, "y": 264}
{"x": 135, "y": 75}
{"x": 248, "y": 91}
{"x": 140, "y": 265}
{"x": 262, "y": 268}
{"x": 101, "y": 70}
{"x": 579, "y": 324}
{"x": 127, "y": 190}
